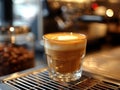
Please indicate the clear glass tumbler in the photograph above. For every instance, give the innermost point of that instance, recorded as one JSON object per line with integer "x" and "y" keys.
{"x": 65, "y": 52}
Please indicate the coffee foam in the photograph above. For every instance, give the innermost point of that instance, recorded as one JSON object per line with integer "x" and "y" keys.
{"x": 65, "y": 41}
{"x": 66, "y": 37}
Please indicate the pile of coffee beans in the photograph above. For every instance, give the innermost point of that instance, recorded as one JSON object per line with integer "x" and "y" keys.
{"x": 15, "y": 58}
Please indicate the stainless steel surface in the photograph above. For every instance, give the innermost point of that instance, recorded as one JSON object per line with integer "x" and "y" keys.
{"x": 38, "y": 79}
{"x": 105, "y": 63}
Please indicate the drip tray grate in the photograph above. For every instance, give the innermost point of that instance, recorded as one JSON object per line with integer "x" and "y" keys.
{"x": 41, "y": 81}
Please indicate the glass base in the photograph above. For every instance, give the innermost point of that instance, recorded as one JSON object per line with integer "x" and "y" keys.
{"x": 66, "y": 77}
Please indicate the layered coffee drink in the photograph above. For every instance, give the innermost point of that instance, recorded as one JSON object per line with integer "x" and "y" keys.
{"x": 64, "y": 52}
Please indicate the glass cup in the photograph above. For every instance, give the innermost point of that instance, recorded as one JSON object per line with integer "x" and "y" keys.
{"x": 65, "y": 52}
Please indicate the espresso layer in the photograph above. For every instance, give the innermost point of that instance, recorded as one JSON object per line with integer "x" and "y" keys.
{"x": 65, "y": 61}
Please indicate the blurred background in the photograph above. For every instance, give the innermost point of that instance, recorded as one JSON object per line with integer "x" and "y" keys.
{"x": 98, "y": 19}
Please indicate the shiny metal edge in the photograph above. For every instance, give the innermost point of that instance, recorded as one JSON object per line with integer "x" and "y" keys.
{"x": 101, "y": 77}
{"x": 34, "y": 70}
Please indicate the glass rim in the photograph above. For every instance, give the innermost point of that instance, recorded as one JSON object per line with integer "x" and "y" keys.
{"x": 45, "y": 36}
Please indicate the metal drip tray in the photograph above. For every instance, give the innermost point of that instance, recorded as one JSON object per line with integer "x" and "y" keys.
{"x": 38, "y": 79}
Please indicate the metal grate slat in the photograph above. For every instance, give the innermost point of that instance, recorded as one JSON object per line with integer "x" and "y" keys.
{"x": 111, "y": 84}
{"x": 17, "y": 85}
{"x": 45, "y": 83}
{"x": 52, "y": 85}
{"x": 33, "y": 86}
{"x": 106, "y": 86}
{"x": 59, "y": 85}
{"x": 39, "y": 85}
{"x": 44, "y": 75}
{"x": 13, "y": 86}
{"x": 66, "y": 86}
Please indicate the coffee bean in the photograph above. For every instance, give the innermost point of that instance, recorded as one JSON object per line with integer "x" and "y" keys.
{"x": 15, "y": 57}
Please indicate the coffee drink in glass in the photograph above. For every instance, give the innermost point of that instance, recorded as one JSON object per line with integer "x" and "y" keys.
{"x": 65, "y": 52}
